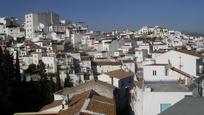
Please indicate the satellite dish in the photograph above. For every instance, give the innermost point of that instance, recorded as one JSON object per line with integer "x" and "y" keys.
{"x": 41, "y": 26}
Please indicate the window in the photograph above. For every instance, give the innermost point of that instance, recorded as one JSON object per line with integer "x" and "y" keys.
{"x": 130, "y": 80}
{"x": 122, "y": 83}
{"x": 164, "y": 106}
{"x": 154, "y": 72}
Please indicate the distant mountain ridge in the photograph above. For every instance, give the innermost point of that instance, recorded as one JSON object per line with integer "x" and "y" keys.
{"x": 194, "y": 34}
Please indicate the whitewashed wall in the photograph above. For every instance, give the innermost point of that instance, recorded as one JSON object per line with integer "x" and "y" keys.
{"x": 188, "y": 62}
{"x": 107, "y": 68}
{"x": 108, "y": 79}
{"x": 152, "y": 100}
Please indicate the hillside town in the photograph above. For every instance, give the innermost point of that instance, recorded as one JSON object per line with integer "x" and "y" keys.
{"x": 150, "y": 71}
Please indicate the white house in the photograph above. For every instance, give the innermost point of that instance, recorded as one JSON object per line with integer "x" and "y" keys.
{"x": 36, "y": 21}
{"x": 36, "y": 57}
{"x": 14, "y": 31}
{"x": 26, "y": 61}
{"x": 50, "y": 62}
{"x": 145, "y": 46}
{"x": 141, "y": 55}
{"x": 128, "y": 65}
{"x": 159, "y": 45}
{"x": 154, "y": 98}
{"x": 157, "y": 53}
{"x": 186, "y": 61}
{"x": 158, "y": 72}
{"x": 101, "y": 54}
{"x": 106, "y": 44}
{"x": 107, "y": 66}
{"x": 76, "y": 38}
{"x": 121, "y": 79}
{"x": 118, "y": 78}
{"x": 85, "y": 63}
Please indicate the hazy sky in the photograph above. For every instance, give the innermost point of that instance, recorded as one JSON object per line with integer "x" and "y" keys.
{"x": 183, "y": 15}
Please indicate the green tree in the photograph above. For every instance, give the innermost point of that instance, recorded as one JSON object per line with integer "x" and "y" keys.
{"x": 68, "y": 47}
{"x": 31, "y": 69}
{"x": 46, "y": 92}
{"x": 41, "y": 68}
{"x": 17, "y": 68}
{"x": 7, "y": 78}
{"x": 18, "y": 96}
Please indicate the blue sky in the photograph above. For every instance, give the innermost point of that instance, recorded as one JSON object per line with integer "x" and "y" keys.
{"x": 183, "y": 15}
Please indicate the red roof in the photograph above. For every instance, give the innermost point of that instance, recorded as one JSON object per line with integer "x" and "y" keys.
{"x": 192, "y": 53}
{"x": 156, "y": 65}
{"x": 120, "y": 74}
{"x": 182, "y": 73}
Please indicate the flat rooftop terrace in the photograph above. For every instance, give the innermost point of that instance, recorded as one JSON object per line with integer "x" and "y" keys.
{"x": 167, "y": 87}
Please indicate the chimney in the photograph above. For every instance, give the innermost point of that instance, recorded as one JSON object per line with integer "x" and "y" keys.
{"x": 65, "y": 102}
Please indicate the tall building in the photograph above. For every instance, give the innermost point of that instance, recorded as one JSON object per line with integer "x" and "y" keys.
{"x": 39, "y": 21}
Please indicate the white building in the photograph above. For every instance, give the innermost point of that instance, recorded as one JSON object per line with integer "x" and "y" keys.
{"x": 158, "y": 72}
{"x": 101, "y": 54}
{"x": 186, "y": 61}
{"x": 107, "y": 66}
{"x": 118, "y": 78}
{"x": 39, "y": 21}
{"x": 76, "y": 38}
{"x": 128, "y": 65}
{"x": 13, "y": 31}
{"x": 121, "y": 79}
{"x": 156, "y": 97}
{"x": 50, "y": 62}
{"x": 85, "y": 64}
{"x": 36, "y": 57}
{"x": 2, "y": 28}
{"x": 147, "y": 47}
{"x": 141, "y": 55}
{"x": 159, "y": 45}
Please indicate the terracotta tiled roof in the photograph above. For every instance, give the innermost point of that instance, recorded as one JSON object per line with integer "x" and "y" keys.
{"x": 32, "y": 45}
{"x": 106, "y": 108}
{"x": 75, "y": 104}
{"x": 89, "y": 83}
{"x": 182, "y": 72}
{"x": 120, "y": 74}
{"x": 193, "y": 53}
{"x": 156, "y": 65}
{"x": 98, "y": 104}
